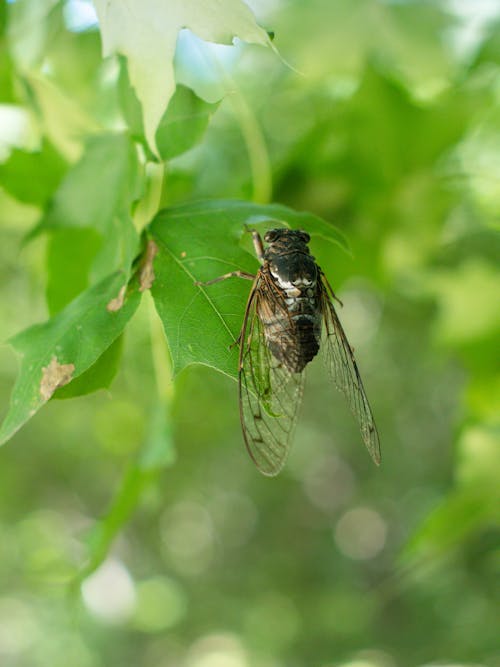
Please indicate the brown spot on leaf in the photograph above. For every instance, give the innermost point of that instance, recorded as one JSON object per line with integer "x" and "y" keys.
{"x": 55, "y": 375}
{"x": 183, "y": 254}
{"x": 146, "y": 273}
{"x": 116, "y": 303}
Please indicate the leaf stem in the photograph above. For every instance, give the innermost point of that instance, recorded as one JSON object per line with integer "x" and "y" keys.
{"x": 160, "y": 353}
{"x": 155, "y": 174}
{"x": 258, "y": 155}
{"x": 138, "y": 474}
{"x": 149, "y": 204}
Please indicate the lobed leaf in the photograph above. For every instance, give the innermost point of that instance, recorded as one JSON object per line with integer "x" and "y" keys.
{"x": 65, "y": 346}
{"x": 131, "y": 29}
{"x": 201, "y": 241}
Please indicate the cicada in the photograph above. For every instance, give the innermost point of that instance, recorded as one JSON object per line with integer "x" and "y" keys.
{"x": 289, "y": 316}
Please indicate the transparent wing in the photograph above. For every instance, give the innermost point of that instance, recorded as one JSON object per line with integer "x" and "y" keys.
{"x": 342, "y": 367}
{"x": 269, "y": 394}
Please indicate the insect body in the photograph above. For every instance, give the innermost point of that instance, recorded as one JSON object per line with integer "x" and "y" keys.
{"x": 289, "y": 315}
{"x": 289, "y": 306}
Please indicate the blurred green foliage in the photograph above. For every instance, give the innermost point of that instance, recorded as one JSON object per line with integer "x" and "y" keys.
{"x": 390, "y": 130}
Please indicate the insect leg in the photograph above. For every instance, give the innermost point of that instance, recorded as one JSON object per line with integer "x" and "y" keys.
{"x": 232, "y": 274}
{"x": 258, "y": 245}
{"x": 329, "y": 288}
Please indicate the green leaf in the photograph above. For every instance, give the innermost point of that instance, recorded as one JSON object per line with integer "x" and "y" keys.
{"x": 65, "y": 346}
{"x": 3, "y": 18}
{"x": 183, "y": 124}
{"x": 132, "y": 30}
{"x": 33, "y": 177}
{"x": 489, "y": 52}
{"x": 32, "y": 24}
{"x": 62, "y": 117}
{"x": 382, "y": 121}
{"x": 130, "y": 105}
{"x": 99, "y": 376}
{"x": 7, "y": 72}
{"x": 99, "y": 187}
{"x": 201, "y": 241}
{"x": 97, "y": 193}
{"x": 70, "y": 253}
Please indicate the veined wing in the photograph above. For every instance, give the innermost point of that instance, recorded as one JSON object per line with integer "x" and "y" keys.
{"x": 341, "y": 364}
{"x": 269, "y": 394}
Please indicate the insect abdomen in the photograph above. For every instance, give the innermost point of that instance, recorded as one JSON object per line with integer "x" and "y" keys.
{"x": 294, "y": 339}
{"x": 300, "y": 348}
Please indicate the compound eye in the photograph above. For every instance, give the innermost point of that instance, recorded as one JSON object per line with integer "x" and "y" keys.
{"x": 305, "y": 236}
{"x": 271, "y": 236}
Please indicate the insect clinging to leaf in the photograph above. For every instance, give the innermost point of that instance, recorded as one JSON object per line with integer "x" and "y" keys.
{"x": 289, "y": 316}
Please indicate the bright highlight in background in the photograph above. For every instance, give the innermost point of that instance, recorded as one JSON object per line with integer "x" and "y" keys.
{"x": 161, "y": 603}
{"x": 109, "y": 593}
{"x": 360, "y": 533}
{"x": 217, "y": 650}
{"x": 79, "y": 15}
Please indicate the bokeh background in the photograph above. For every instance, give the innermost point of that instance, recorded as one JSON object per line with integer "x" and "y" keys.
{"x": 384, "y": 120}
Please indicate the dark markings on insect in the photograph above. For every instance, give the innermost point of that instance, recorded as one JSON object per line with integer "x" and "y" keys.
{"x": 289, "y": 315}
